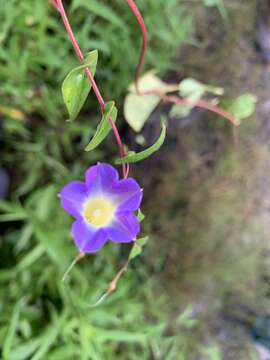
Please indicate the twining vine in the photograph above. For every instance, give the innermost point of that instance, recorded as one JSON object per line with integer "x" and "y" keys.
{"x": 106, "y": 207}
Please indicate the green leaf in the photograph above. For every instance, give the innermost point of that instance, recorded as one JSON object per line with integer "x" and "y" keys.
{"x": 25, "y": 350}
{"x": 103, "y": 10}
{"x": 76, "y": 86}
{"x": 192, "y": 90}
{"x": 31, "y": 257}
{"x": 135, "y": 157}
{"x": 138, "y": 108}
{"x": 135, "y": 251}
{"x": 104, "y": 127}
{"x": 191, "y": 87}
{"x": 137, "y": 247}
{"x": 50, "y": 335}
{"x": 140, "y": 215}
{"x": 241, "y": 107}
{"x": 142, "y": 241}
{"x": 14, "y": 322}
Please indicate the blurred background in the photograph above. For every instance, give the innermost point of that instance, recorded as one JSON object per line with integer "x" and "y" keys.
{"x": 201, "y": 288}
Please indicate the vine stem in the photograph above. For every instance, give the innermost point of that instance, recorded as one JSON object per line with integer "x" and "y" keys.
{"x": 71, "y": 266}
{"x": 204, "y": 104}
{"x": 140, "y": 20}
{"x": 58, "y": 4}
{"x": 113, "y": 284}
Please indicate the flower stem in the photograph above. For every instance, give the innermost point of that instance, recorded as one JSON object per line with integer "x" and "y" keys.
{"x": 71, "y": 266}
{"x": 112, "y": 285}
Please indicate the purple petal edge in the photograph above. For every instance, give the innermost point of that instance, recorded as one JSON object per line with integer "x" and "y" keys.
{"x": 72, "y": 197}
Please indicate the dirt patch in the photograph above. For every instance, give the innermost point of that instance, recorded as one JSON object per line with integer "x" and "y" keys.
{"x": 209, "y": 203}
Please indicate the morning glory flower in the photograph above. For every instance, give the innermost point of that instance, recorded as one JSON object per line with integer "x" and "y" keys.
{"x": 103, "y": 207}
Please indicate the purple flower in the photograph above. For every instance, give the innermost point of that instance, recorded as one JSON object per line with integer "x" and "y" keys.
{"x": 103, "y": 207}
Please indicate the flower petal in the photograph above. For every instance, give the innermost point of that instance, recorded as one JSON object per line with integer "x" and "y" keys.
{"x": 100, "y": 178}
{"x": 127, "y": 194}
{"x": 87, "y": 238}
{"x": 124, "y": 228}
{"x": 72, "y": 198}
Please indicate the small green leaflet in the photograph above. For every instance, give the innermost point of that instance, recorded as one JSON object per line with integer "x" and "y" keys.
{"x": 104, "y": 126}
{"x": 135, "y": 157}
{"x": 138, "y": 247}
{"x": 76, "y": 86}
{"x": 140, "y": 215}
{"x": 242, "y": 107}
{"x": 192, "y": 90}
{"x": 190, "y": 86}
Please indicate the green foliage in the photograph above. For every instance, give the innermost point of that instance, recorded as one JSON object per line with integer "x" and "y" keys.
{"x": 242, "y": 107}
{"x": 76, "y": 86}
{"x": 104, "y": 127}
{"x": 135, "y": 157}
{"x": 138, "y": 107}
{"x": 36, "y": 56}
{"x": 137, "y": 248}
{"x": 42, "y": 317}
{"x": 192, "y": 90}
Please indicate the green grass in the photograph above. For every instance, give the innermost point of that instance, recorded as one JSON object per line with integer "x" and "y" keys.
{"x": 36, "y": 56}
{"x": 40, "y": 316}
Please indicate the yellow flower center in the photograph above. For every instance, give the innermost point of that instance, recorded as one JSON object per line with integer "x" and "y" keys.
{"x": 98, "y": 211}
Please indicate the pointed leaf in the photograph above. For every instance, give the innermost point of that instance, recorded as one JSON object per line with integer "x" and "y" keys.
{"x": 137, "y": 247}
{"x": 76, "y": 86}
{"x": 104, "y": 126}
{"x": 135, "y": 251}
{"x": 142, "y": 241}
{"x": 140, "y": 215}
{"x": 132, "y": 158}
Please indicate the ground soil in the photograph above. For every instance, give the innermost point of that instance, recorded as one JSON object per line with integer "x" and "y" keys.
{"x": 207, "y": 190}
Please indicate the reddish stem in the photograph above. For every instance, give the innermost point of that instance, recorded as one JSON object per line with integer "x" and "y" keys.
{"x": 59, "y": 7}
{"x": 140, "y": 20}
{"x": 203, "y": 104}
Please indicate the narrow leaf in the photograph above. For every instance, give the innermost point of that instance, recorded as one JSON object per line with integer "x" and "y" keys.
{"x": 104, "y": 126}
{"x": 76, "y": 86}
{"x": 142, "y": 241}
{"x": 10, "y": 337}
{"x": 135, "y": 157}
{"x": 135, "y": 251}
{"x": 137, "y": 247}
